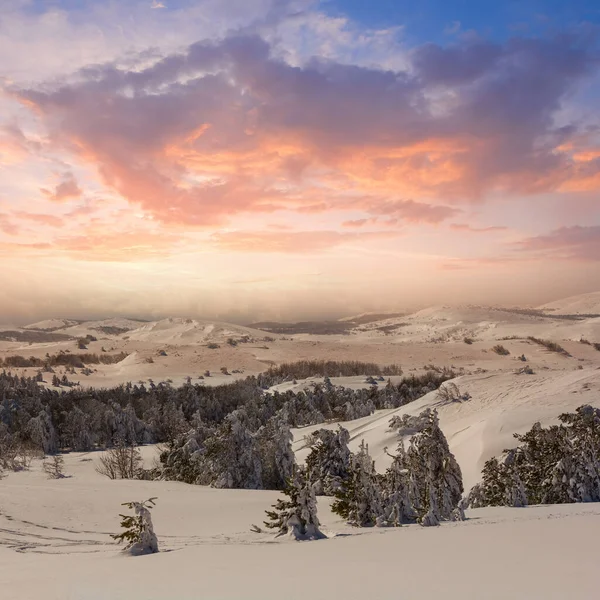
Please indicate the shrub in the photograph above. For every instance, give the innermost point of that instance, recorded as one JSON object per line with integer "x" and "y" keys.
{"x": 122, "y": 462}
{"x": 303, "y": 369}
{"x": 501, "y": 350}
{"x": 552, "y": 346}
{"x": 212, "y": 345}
{"x": 449, "y": 392}
{"x": 468, "y": 340}
{"x": 54, "y": 467}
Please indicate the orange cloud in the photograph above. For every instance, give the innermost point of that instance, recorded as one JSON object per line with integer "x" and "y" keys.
{"x": 42, "y": 219}
{"x": 118, "y": 247}
{"x": 291, "y": 242}
{"x": 226, "y": 128}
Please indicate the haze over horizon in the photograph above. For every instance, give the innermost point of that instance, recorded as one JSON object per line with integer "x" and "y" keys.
{"x": 295, "y": 159}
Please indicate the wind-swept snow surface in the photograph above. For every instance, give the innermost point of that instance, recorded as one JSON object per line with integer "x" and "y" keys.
{"x": 55, "y": 544}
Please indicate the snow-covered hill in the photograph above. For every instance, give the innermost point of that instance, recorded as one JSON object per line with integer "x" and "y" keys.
{"x": 501, "y": 405}
{"x": 582, "y": 304}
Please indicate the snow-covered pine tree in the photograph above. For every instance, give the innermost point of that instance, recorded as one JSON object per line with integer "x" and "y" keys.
{"x": 274, "y": 443}
{"x": 582, "y": 475}
{"x": 435, "y": 487}
{"x": 139, "y": 531}
{"x": 398, "y": 509}
{"x": 42, "y": 432}
{"x": 230, "y": 457}
{"x": 329, "y": 459}
{"x": 359, "y": 497}
{"x": 296, "y": 515}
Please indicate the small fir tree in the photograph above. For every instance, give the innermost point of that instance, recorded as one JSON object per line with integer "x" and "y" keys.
{"x": 296, "y": 515}
{"x": 138, "y": 531}
{"x": 54, "y": 467}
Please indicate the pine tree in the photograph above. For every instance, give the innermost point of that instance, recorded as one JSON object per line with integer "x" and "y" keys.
{"x": 42, "y": 432}
{"x": 54, "y": 467}
{"x": 329, "y": 459}
{"x": 398, "y": 509}
{"x": 274, "y": 444}
{"x": 139, "y": 531}
{"x": 435, "y": 479}
{"x": 296, "y": 516}
{"x": 359, "y": 498}
{"x": 230, "y": 458}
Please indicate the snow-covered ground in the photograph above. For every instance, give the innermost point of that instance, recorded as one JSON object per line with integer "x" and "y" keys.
{"x": 54, "y": 535}
{"x": 55, "y": 544}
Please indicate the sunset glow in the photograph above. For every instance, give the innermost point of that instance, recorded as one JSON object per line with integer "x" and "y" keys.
{"x": 259, "y": 159}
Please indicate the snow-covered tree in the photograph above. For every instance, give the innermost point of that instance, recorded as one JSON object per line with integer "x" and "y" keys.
{"x": 42, "y": 432}
{"x": 359, "y": 497}
{"x": 76, "y": 431}
{"x": 230, "y": 457}
{"x": 274, "y": 442}
{"x": 329, "y": 459}
{"x": 434, "y": 477}
{"x": 553, "y": 465}
{"x": 138, "y": 529}
{"x": 296, "y": 515}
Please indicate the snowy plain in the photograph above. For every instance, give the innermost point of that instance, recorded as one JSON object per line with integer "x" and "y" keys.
{"x": 54, "y": 534}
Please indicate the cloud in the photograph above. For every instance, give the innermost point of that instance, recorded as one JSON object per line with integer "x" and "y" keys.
{"x": 67, "y": 189}
{"x": 157, "y": 4}
{"x": 229, "y": 127}
{"x": 291, "y": 242}
{"x": 578, "y": 242}
{"x": 42, "y": 219}
{"x": 15, "y": 147}
{"x": 7, "y": 226}
{"x": 452, "y": 28}
{"x": 471, "y": 229}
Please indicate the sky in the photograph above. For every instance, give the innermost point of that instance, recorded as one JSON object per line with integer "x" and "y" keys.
{"x": 292, "y": 159}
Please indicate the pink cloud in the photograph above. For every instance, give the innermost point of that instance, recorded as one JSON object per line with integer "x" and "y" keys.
{"x": 226, "y": 128}
{"x": 471, "y": 229}
{"x": 7, "y": 226}
{"x": 580, "y": 243}
{"x": 67, "y": 189}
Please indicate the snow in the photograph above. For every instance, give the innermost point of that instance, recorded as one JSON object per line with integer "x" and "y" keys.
{"x": 501, "y": 404}
{"x": 55, "y": 544}
{"x": 55, "y": 534}
{"x": 585, "y": 304}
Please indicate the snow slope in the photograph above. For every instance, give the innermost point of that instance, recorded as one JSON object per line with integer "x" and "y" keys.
{"x": 54, "y": 544}
{"x": 583, "y": 304}
{"x": 502, "y": 404}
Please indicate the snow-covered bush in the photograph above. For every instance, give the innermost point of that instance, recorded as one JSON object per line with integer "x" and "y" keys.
{"x": 138, "y": 529}
{"x": 449, "y": 392}
{"x": 296, "y": 515}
